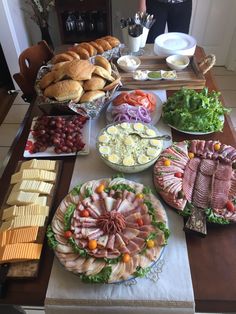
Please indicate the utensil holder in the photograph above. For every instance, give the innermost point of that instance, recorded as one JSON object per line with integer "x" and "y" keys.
{"x": 144, "y": 37}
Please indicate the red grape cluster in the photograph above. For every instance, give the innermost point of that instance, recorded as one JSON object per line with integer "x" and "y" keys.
{"x": 62, "y": 132}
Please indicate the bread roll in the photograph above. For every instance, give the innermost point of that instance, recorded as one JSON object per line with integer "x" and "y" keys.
{"x": 105, "y": 44}
{"x": 64, "y": 90}
{"x": 113, "y": 41}
{"x": 58, "y": 65}
{"x": 61, "y": 57}
{"x": 91, "y": 50}
{"x": 92, "y": 95}
{"x": 83, "y": 53}
{"x": 103, "y": 62}
{"x": 103, "y": 73}
{"x": 73, "y": 54}
{"x": 112, "y": 84}
{"x": 46, "y": 80}
{"x": 95, "y": 83}
{"x": 97, "y": 47}
{"x": 78, "y": 70}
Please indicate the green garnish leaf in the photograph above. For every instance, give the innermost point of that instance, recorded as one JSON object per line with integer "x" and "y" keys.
{"x": 111, "y": 261}
{"x": 211, "y": 217}
{"x": 102, "y": 277}
{"x": 122, "y": 187}
{"x": 76, "y": 190}
{"x": 88, "y": 192}
{"x": 158, "y": 224}
{"x": 76, "y": 248}
{"x": 52, "y": 242}
{"x": 68, "y": 215}
{"x": 147, "y": 190}
{"x": 141, "y": 272}
{"x": 151, "y": 236}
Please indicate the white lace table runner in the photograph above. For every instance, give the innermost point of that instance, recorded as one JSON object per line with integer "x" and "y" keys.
{"x": 171, "y": 289}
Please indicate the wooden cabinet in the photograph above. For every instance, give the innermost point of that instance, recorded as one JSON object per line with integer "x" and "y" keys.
{"x": 83, "y": 20}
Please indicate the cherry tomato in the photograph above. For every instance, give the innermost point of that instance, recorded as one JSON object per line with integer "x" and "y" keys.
{"x": 178, "y": 175}
{"x": 191, "y": 155}
{"x": 140, "y": 222}
{"x": 139, "y": 195}
{"x": 150, "y": 244}
{"x": 84, "y": 213}
{"x": 92, "y": 244}
{"x": 68, "y": 234}
{"x": 126, "y": 258}
{"x": 217, "y": 146}
{"x": 167, "y": 162}
{"x": 230, "y": 206}
{"x": 100, "y": 188}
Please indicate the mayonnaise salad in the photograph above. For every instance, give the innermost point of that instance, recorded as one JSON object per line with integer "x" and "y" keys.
{"x": 121, "y": 148}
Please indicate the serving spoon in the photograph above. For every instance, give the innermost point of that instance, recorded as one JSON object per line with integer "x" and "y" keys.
{"x": 158, "y": 137}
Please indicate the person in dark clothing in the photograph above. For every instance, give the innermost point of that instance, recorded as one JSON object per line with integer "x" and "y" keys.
{"x": 175, "y": 13}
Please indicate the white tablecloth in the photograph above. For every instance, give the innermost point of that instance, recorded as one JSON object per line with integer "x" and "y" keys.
{"x": 171, "y": 293}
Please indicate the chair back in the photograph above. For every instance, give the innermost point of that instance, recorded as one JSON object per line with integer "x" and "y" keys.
{"x": 30, "y": 61}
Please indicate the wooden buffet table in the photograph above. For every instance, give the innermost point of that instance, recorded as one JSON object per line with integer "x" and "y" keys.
{"x": 212, "y": 259}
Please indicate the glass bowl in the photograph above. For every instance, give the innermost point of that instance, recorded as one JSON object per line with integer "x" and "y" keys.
{"x": 126, "y": 152}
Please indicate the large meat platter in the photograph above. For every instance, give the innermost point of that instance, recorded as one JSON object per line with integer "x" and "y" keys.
{"x": 109, "y": 230}
{"x": 198, "y": 178}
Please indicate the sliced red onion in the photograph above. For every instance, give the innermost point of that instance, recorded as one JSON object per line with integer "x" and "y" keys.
{"x": 126, "y": 112}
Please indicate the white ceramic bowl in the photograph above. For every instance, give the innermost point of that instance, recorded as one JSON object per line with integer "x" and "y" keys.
{"x": 177, "y": 62}
{"x": 120, "y": 146}
{"x": 128, "y": 63}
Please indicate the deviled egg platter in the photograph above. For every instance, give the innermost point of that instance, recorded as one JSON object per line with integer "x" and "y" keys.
{"x": 120, "y": 147}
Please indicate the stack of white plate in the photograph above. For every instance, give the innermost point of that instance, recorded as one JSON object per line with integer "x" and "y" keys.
{"x": 174, "y": 44}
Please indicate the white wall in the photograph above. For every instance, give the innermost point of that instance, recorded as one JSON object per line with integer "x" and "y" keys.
{"x": 13, "y": 34}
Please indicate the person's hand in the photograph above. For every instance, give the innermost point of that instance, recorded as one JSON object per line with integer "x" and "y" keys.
{"x": 142, "y": 6}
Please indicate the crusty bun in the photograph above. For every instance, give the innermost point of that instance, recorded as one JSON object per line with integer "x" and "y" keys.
{"x": 64, "y": 90}
{"x": 103, "y": 73}
{"x": 97, "y": 47}
{"x": 91, "y": 50}
{"x": 112, "y": 84}
{"x": 103, "y": 62}
{"x": 61, "y": 57}
{"x": 95, "y": 83}
{"x": 73, "y": 54}
{"x": 46, "y": 80}
{"x": 78, "y": 70}
{"x": 82, "y": 52}
{"x": 113, "y": 41}
{"x": 105, "y": 44}
{"x": 58, "y": 65}
{"x": 92, "y": 95}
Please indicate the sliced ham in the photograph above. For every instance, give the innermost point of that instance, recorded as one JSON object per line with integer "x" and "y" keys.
{"x": 119, "y": 242}
{"x": 132, "y": 247}
{"x": 124, "y": 206}
{"x": 95, "y": 267}
{"x": 130, "y": 233}
{"x": 96, "y": 234}
{"x": 111, "y": 241}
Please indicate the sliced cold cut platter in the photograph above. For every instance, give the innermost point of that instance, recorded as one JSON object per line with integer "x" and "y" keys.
{"x": 109, "y": 230}
{"x": 199, "y": 175}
